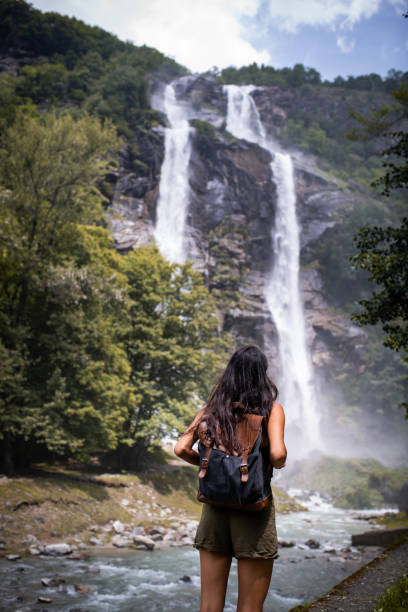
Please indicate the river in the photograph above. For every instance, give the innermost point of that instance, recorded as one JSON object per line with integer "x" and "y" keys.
{"x": 168, "y": 579}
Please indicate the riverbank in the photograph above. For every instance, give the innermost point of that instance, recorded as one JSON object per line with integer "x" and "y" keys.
{"x": 317, "y": 555}
{"x": 62, "y": 505}
{"x": 362, "y": 590}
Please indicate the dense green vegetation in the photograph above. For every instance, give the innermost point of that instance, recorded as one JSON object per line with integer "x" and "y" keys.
{"x": 395, "y": 599}
{"x": 383, "y": 250}
{"x": 352, "y": 483}
{"x": 69, "y": 63}
{"x": 268, "y": 76}
{"x": 93, "y": 345}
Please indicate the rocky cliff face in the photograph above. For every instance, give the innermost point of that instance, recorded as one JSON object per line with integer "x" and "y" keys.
{"x": 229, "y": 232}
{"x": 231, "y": 217}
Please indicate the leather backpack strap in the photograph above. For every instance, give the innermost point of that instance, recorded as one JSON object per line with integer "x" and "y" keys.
{"x": 204, "y": 462}
{"x": 247, "y": 432}
{"x": 202, "y": 435}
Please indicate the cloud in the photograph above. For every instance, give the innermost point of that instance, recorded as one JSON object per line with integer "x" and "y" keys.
{"x": 346, "y": 45}
{"x": 199, "y": 33}
{"x": 289, "y": 15}
{"x": 204, "y": 33}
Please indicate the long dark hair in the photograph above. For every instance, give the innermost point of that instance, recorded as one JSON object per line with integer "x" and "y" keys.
{"x": 243, "y": 388}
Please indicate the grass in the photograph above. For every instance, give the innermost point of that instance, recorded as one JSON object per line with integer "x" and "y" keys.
{"x": 395, "y": 599}
{"x": 395, "y": 521}
{"x": 61, "y": 501}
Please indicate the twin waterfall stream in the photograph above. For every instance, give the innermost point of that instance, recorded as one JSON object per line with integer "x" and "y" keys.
{"x": 282, "y": 292}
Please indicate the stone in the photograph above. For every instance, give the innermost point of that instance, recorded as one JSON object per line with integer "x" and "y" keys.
{"x": 95, "y": 541}
{"x": 34, "y": 551}
{"x": 168, "y": 537}
{"x": 13, "y": 557}
{"x": 383, "y": 537}
{"x": 45, "y": 600}
{"x": 57, "y": 549}
{"x": 185, "y": 579}
{"x": 157, "y": 531}
{"x": 156, "y": 537}
{"x": 121, "y": 541}
{"x": 118, "y": 527}
{"x": 30, "y": 540}
{"x": 145, "y": 541}
{"x": 94, "y": 528}
{"x": 312, "y": 544}
{"x": 82, "y": 588}
{"x": 138, "y": 530}
{"x": 286, "y": 544}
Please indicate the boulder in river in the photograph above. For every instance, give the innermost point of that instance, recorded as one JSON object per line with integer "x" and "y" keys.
{"x": 58, "y": 549}
{"x": 286, "y": 544}
{"x": 145, "y": 541}
{"x": 312, "y": 543}
{"x": 83, "y": 588}
{"x": 185, "y": 579}
{"x": 13, "y": 557}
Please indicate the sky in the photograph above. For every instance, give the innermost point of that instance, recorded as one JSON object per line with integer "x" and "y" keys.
{"x": 336, "y": 37}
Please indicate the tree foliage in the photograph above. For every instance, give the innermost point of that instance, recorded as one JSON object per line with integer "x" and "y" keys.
{"x": 98, "y": 351}
{"x": 383, "y": 251}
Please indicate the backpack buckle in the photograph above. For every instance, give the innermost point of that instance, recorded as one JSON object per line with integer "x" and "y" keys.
{"x": 243, "y": 468}
{"x": 204, "y": 463}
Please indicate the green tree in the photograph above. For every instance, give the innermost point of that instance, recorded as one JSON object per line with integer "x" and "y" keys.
{"x": 383, "y": 251}
{"x": 173, "y": 346}
{"x": 49, "y": 174}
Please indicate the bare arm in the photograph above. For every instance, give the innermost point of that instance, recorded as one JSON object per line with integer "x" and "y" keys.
{"x": 276, "y": 429}
{"x": 184, "y": 446}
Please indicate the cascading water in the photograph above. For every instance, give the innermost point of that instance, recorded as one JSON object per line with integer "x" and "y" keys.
{"x": 284, "y": 302}
{"x": 174, "y": 188}
{"x": 282, "y": 287}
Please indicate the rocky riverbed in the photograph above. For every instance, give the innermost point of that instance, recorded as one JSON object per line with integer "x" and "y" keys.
{"x": 315, "y": 554}
{"x": 67, "y": 512}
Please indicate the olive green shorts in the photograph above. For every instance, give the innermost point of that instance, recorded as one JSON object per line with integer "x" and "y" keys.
{"x": 238, "y": 533}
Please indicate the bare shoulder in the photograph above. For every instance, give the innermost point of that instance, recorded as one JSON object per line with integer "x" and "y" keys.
{"x": 277, "y": 411}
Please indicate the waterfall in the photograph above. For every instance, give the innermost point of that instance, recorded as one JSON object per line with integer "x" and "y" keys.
{"x": 174, "y": 188}
{"x": 285, "y": 304}
{"x": 282, "y": 291}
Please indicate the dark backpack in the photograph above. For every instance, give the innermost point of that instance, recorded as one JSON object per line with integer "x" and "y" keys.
{"x": 237, "y": 482}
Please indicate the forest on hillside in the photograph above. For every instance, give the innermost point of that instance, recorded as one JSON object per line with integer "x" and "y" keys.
{"x": 104, "y": 352}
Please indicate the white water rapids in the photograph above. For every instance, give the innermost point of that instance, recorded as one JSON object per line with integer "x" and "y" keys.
{"x": 169, "y": 579}
{"x": 174, "y": 191}
{"x": 282, "y": 291}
